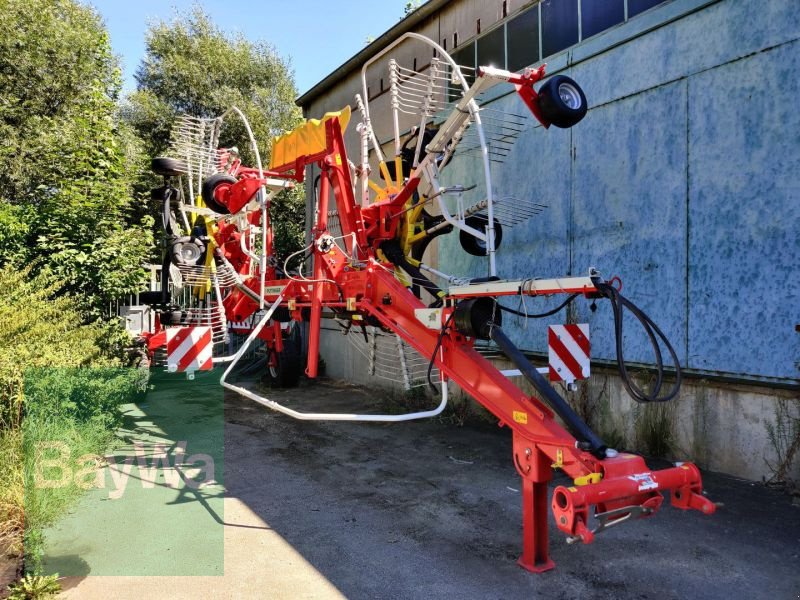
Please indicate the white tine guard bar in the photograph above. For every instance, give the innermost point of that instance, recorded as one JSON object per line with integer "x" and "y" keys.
{"x": 303, "y": 416}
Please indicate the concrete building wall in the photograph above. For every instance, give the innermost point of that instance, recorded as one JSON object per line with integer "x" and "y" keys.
{"x": 682, "y": 179}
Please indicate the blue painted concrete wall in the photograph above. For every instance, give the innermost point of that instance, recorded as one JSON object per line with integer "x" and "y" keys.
{"x": 682, "y": 179}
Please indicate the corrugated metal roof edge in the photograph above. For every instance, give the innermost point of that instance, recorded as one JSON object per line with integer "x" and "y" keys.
{"x": 355, "y": 62}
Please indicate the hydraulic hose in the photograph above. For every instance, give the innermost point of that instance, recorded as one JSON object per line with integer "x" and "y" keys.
{"x": 587, "y": 439}
{"x": 618, "y": 305}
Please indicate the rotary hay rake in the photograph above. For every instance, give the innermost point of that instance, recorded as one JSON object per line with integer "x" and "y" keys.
{"x": 367, "y": 272}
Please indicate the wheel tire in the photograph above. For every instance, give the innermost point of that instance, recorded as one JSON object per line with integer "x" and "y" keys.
{"x": 168, "y": 167}
{"x": 283, "y": 369}
{"x": 171, "y": 317}
{"x": 154, "y": 298}
{"x": 562, "y": 101}
{"x": 473, "y": 245}
{"x": 179, "y": 260}
{"x": 210, "y": 185}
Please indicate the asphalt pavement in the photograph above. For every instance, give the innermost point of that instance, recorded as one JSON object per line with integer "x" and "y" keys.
{"x": 431, "y": 510}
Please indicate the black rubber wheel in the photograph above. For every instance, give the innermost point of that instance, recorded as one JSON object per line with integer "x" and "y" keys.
{"x": 210, "y": 185}
{"x": 562, "y": 101}
{"x": 168, "y": 167}
{"x": 171, "y": 317}
{"x": 187, "y": 251}
{"x": 473, "y": 245}
{"x": 154, "y": 298}
{"x": 284, "y": 369}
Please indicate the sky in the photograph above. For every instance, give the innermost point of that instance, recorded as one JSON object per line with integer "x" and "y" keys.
{"x": 316, "y": 35}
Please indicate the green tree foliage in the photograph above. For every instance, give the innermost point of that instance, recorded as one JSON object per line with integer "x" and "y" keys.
{"x": 66, "y": 166}
{"x": 192, "y": 67}
{"x": 411, "y": 7}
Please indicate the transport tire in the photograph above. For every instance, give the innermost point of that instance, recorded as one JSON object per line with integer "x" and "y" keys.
{"x": 187, "y": 251}
{"x": 473, "y": 245}
{"x": 284, "y": 369}
{"x": 168, "y": 167}
{"x": 562, "y": 101}
{"x": 210, "y": 186}
{"x": 171, "y": 317}
{"x": 153, "y": 298}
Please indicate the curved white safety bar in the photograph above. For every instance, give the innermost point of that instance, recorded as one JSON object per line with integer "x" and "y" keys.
{"x": 304, "y": 416}
{"x": 262, "y": 195}
{"x": 475, "y": 114}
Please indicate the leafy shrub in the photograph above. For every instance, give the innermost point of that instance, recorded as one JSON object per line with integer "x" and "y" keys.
{"x": 53, "y": 372}
{"x": 39, "y": 327}
{"x": 33, "y": 587}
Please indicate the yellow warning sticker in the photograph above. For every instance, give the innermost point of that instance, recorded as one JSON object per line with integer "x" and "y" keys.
{"x": 590, "y": 478}
{"x": 521, "y": 417}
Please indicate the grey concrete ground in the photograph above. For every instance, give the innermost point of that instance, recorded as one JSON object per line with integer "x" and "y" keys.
{"x": 430, "y": 510}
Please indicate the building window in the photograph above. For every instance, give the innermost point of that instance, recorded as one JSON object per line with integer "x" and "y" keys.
{"x": 523, "y": 40}
{"x": 599, "y": 15}
{"x": 559, "y": 25}
{"x": 466, "y": 58}
{"x": 639, "y": 6}
{"x": 541, "y": 31}
{"x": 492, "y": 48}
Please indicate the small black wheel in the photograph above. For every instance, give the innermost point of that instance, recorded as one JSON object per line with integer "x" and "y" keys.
{"x": 171, "y": 317}
{"x": 154, "y": 298}
{"x": 168, "y": 167}
{"x": 562, "y": 101}
{"x": 285, "y": 368}
{"x": 473, "y": 245}
{"x": 187, "y": 251}
{"x": 210, "y": 185}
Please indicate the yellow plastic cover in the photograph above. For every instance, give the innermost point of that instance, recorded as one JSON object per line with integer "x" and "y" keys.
{"x": 306, "y": 140}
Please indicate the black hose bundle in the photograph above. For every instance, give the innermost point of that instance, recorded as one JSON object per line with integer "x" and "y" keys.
{"x": 549, "y": 313}
{"x": 618, "y": 304}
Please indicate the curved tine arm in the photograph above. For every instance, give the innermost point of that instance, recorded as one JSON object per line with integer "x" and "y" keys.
{"x": 304, "y": 416}
{"x": 252, "y": 137}
{"x": 409, "y": 35}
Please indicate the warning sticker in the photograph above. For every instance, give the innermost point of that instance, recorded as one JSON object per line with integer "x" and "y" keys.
{"x": 644, "y": 480}
{"x": 521, "y": 417}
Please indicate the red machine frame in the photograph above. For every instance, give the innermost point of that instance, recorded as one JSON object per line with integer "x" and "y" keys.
{"x": 357, "y": 279}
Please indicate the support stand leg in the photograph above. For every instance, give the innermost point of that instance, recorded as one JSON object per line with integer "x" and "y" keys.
{"x": 535, "y": 556}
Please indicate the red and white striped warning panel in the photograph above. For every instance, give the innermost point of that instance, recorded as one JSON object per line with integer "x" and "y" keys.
{"x": 569, "y": 351}
{"x": 189, "y": 349}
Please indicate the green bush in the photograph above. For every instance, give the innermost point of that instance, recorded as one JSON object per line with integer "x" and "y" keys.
{"x": 56, "y": 384}
{"x": 88, "y": 395}
{"x": 40, "y": 327}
